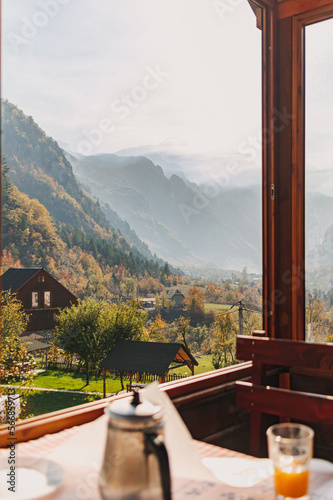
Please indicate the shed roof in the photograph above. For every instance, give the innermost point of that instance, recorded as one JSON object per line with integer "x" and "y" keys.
{"x": 15, "y": 277}
{"x": 146, "y": 357}
{"x": 32, "y": 336}
{"x": 32, "y": 345}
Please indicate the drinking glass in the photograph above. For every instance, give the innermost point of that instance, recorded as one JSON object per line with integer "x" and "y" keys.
{"x": 290, "y": 447}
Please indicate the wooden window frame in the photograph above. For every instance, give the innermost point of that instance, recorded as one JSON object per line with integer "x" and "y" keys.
{"x": 287, "y": 319}
{"x": 283, "y": 296}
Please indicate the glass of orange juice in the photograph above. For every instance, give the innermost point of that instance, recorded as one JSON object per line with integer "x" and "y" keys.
{"x": 290, "y": 447}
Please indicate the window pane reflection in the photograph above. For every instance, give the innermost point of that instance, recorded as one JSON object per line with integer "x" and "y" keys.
{"x": 319, "y": 181}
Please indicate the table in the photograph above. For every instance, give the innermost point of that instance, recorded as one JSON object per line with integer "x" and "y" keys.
{"x": 80, "y": 450}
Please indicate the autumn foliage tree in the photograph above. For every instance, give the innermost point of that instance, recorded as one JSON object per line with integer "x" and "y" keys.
{"x": 194, "y": 302}
{"x": 13, "y": 322}
{"x": 182, "y": 326}
{"x": 224, "y": 340}
{"x": 91, "y": 329}
{"x": 16, "y": 364}
{"x": 8, "y": 261}
{"x": 155, "y": 330}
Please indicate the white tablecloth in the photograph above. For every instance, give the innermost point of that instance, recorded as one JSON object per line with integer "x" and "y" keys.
{"x": 79, "y": 451}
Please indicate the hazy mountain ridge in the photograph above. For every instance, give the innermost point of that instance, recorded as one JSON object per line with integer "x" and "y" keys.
{"x": 176, "y": 218}
{"x": 190, "y": 224}
{"x": 135, "y": 189}
{"x": 200, "y": 168}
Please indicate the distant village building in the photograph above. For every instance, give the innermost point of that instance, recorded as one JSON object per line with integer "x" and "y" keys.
{"x": 42, "y": 295}
{"x": 148, "y": 304}
{"x": 176, "y": 297}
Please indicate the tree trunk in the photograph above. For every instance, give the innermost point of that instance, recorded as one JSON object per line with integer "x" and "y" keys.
{"x": 87, "y": 372}
{"x": 121, "y": 381}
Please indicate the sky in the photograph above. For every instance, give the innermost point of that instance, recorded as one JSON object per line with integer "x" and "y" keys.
{"x": 117, "y": 74}
{"x": 181, "y": 76}
{"x": 319, "y": 107}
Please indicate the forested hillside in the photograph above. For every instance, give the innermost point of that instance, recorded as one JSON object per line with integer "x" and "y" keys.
{"x": 49, "y": 221}
{"x": 38, "y": 167}
{"x": 88, "y": 266}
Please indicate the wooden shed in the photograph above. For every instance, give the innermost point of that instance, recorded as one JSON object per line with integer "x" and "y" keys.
{"x": 154, "y": 358}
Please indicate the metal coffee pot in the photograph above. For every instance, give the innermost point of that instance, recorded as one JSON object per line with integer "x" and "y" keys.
{"x": 136, "y": 465}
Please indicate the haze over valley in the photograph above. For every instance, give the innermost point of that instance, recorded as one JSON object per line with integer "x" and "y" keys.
{"x": 213, "y": 225}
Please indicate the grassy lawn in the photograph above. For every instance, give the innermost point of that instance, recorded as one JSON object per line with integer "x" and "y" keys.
{"x": 216, "y": 308}
{"x": 208, "y": 306}
{"x": 56, "y": 379}
{"x": 45, "y": 402}
{"x": 205, "y": 365}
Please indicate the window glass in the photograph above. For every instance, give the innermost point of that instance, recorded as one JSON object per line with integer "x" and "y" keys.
{"x": 319, "y": 181}
{"x": 172, "y": 90}
{"x": 34, "y": 299}
{"x": 47, "y": 299}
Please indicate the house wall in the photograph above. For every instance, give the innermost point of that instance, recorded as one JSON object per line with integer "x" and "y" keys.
{"x": 178, "y": 299}
{"x": 41, "y": 319}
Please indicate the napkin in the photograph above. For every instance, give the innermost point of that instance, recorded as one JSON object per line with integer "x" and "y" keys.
{"x": 239, "y": 472}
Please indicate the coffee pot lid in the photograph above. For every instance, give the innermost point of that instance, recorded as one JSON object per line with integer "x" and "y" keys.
{"x": 132, "y": 409}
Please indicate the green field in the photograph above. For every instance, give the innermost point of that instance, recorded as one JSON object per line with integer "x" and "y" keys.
{"x": 67, "y": 381}
{"x": 41, "y": 402}
{"x": 216, "y": 308}
{"x": 56, "y": 379}
{"x": 205, "y": 365}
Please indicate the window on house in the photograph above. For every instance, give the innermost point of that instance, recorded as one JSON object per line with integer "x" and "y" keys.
{"x": 34, "y": 299}
{"x": 47, "y": 299}
{"x": 41, "y": 279}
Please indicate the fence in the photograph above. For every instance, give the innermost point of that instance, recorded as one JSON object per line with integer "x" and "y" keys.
{"x": 146, "y": 377}
{"x": 78, "y": 367}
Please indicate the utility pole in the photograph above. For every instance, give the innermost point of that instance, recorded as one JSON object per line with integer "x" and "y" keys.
{"x": 240, "y": 316}
{"x": 241, "y": 308}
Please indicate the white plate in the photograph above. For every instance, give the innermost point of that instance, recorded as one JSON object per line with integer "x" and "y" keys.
{"x": 33, "y": 478}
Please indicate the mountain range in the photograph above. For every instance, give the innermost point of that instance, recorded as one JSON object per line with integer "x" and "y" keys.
{"x": 178, "y": 220}
{"x": 49, "y": 220}
{"x": 154, "y": 210}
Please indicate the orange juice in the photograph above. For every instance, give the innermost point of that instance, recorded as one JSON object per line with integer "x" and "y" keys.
{"x": 291, "y": 484}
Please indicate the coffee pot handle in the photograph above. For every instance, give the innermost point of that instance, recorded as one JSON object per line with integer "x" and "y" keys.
{"x": 155, "y": 444}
